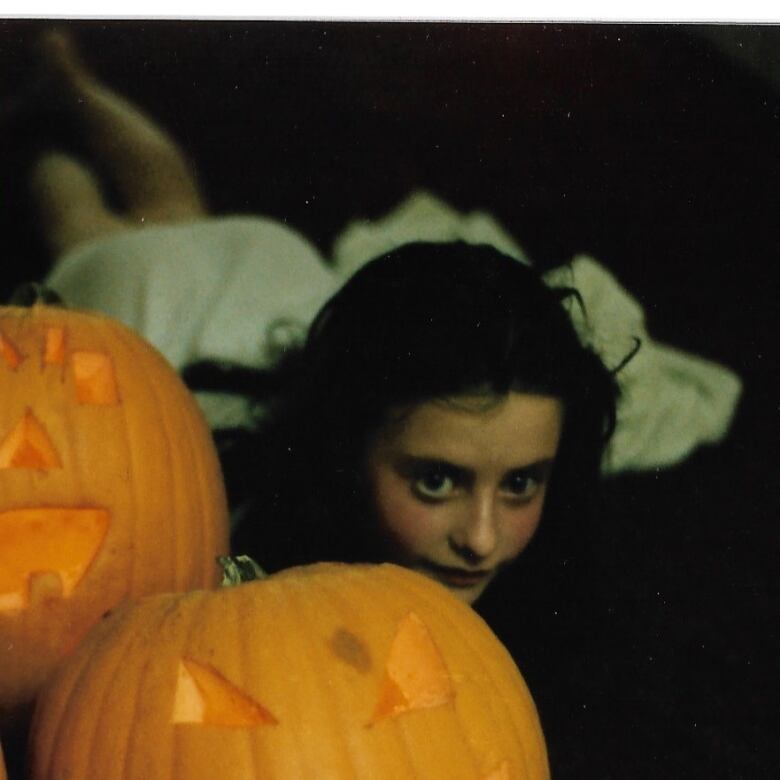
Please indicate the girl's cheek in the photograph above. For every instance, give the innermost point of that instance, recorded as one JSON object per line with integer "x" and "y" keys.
{"x": 523, "y": 529}
{"x": 406, "y": 519}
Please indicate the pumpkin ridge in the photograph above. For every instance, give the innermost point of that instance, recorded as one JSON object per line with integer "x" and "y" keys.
{"x": 119, "y": 659}
{"x": 160, "y": 613}
{"x": 132, "y": 352}
{"x": 359, "y": 579}
{"x": 475, "y": 642}
{"x": 70, "y": 685}
{"x": 252, "y": 750}
{"x": 315, "y": 614}
{"x": 207, "y": 487}
{"x": 207, "y": 481}
{"x": 286, "y": 625}
{"x": 75, "y": 463}
{"x": 256, "y": 753}
{"x": 443, "y": 611}
{"x": 97, "y": 333}
{"x": 365, "y": 618}
{"x": 382, "y": 589}
{"x": 199, "y": 609}
{"x": 192, "y": 611}
{"x": 290, "y": 602}
{"x": 56, "y": 712}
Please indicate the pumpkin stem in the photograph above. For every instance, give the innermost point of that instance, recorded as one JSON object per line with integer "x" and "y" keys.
{"x": 29, "y": 293}
{"x": 239, "y": 568}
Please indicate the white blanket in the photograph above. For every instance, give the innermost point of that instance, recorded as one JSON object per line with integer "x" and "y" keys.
{"x": 213, "y": 289}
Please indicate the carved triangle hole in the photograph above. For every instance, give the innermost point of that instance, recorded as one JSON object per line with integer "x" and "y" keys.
{"x": 28, "y": 446}
{"x": 95, "y": 379}
{"x": 9, "y": 354}
{"x": 205, "y": 696}
{"x": 415, "y": 675}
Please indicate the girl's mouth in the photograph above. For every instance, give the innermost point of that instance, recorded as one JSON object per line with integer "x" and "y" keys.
{"x": 454, "y": 577}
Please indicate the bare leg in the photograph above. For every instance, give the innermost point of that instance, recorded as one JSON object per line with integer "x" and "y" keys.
{"x": 146, "y": 167}
{"x": 69, "y": 203}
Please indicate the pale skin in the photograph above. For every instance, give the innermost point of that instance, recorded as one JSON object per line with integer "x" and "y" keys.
{"x": 459, "y": 485}
{"x": 148, "y": 170}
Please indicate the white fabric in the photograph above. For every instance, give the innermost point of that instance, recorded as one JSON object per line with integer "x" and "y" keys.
{"x": 213, "y": 288}
{"x": 420, "y": 217}
{"x": 204, "y": 290}
{"x": 671, "y": 402}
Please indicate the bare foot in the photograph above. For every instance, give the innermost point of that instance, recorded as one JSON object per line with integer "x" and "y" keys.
{"x": 56, "y": 75}
{"x": 60, "y": 58}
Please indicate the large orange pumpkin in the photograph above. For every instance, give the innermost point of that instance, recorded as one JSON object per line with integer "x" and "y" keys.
{"x": 110, "y": 486}
{"x": 327, "y": 671}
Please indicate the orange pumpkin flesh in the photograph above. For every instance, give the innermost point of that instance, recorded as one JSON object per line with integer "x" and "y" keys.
{"x": 415, "y": 674}
{"x": 204, "y": 696}
{"x": 110, "y": 486}
{"x": 28, "y": 446}
{"x": 67, "y": 540}
{"x": 328, "y": 671}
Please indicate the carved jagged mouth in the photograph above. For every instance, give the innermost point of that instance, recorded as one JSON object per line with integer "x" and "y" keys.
{"x": 45, "y": 541}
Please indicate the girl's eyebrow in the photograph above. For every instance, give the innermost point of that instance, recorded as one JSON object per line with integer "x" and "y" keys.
{"x": 408, "y": 463}
{"x": 541, "y": 466}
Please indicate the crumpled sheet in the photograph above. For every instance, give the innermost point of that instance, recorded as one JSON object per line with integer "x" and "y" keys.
{"x": 212, "y": 289}
{"x": 672, "y": 401}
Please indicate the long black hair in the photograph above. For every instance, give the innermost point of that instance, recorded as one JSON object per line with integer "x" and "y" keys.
{"x": 425, "y": 321}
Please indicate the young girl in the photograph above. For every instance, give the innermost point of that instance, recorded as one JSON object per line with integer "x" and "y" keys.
{"x": 440, "y": 401}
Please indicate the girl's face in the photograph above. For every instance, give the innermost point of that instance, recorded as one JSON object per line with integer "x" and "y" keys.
{"x": 458, "y": 485}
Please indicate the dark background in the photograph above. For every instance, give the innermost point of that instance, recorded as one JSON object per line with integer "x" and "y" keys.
{"x": 648, "y": 146}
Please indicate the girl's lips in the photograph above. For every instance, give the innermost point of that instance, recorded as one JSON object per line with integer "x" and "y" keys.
{"x": 455, "y": 577}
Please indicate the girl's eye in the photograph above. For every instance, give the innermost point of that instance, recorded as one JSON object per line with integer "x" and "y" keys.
{"x": 521, "y": 484}
{"x": 433, "y": 484}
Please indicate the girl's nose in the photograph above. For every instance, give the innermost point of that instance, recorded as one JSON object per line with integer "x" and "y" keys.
{"x": 477, "y": 535}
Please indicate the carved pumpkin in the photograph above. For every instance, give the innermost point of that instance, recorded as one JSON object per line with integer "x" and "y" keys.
{"x": 110, "y": 486}
{"x": 326, "y": 671}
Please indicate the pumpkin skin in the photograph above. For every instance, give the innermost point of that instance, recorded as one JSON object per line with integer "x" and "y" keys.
{"x": 329, "y": 671}
{"x": 110, "y": 487}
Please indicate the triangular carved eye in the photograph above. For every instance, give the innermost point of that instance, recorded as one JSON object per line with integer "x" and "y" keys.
{"x": 205, "y": 696}
{"x": 34, "y": 541}
{"x": 415, "y": 675}
{"x": 96, "y": 384}
{"x": 28, "y": 446}
{"x": 9, "y": 354}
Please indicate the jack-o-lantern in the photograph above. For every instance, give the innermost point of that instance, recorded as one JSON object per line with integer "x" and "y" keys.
{"x": 327, "y": 671}
{"x": 110, "y": 487}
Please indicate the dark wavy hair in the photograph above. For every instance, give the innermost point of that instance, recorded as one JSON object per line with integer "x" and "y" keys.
{"x": 425, "y": 321}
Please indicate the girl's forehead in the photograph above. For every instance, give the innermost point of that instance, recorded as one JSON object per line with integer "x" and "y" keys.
{"x": 518, "y": 426}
